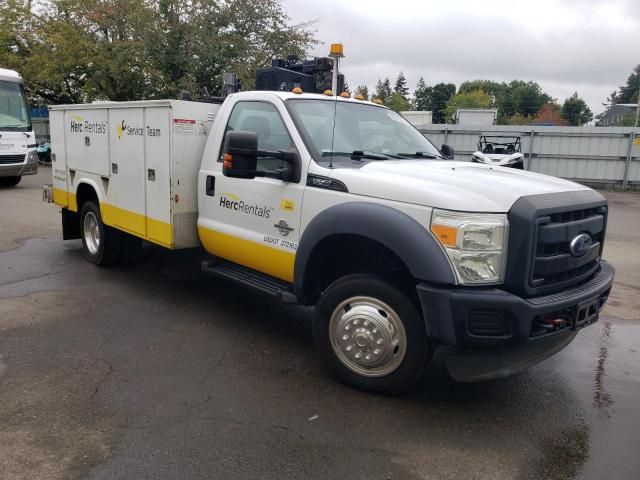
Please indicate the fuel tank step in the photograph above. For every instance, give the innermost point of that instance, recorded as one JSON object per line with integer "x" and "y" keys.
{"x": 248, "y": 277}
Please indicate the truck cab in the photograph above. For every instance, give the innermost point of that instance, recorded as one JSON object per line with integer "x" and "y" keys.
{"x": 18, "y": 155}
{"x": 341, "y": 204}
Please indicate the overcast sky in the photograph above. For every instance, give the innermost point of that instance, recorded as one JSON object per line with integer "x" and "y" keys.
{"x": 588, "y": 46}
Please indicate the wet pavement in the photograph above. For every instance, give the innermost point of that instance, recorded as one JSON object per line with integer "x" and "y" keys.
{"x": 152, "y": 371}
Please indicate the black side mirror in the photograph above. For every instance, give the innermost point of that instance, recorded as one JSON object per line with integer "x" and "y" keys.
{"x": 240, "y": 158}
{"x": 447, "y": 151}
{"x": 240, "y": 155}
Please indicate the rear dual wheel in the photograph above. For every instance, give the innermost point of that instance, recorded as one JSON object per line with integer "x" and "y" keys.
{"x": 100, "y": 243}
{"x": 370, "y": 334}
{"x": 104, "y": 245}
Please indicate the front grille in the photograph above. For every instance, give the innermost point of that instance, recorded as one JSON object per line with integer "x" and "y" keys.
{"x": 553, "y": 263}
{"x": 6, "y": 159}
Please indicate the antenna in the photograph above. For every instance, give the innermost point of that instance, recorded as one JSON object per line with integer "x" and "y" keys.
{"x": 333, "y": 130}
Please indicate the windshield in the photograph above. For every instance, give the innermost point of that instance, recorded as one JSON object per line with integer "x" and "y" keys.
{"x": 14, "y": 112}
{"x": 360, "y": 131}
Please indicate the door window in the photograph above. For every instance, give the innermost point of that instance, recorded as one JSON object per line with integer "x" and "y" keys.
{"x": 263, "y": 119}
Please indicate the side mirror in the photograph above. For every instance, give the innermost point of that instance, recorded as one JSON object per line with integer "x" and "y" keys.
{"x": 240, "y": 159}
{"x": 447, "y": 151}
{"x": 240, "y": 155}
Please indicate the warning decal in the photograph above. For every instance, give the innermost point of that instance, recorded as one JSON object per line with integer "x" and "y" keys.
{"x": 183, "y": 126}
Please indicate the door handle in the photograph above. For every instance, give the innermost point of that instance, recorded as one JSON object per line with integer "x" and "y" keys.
{"x": 210, "y": 186}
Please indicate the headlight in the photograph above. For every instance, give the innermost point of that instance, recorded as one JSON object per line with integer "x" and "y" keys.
{"x": 475, "y": 243}
{"x": 32, "y": 157}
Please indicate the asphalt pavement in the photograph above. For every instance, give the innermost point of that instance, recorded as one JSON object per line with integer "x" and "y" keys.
{"x": 152, "y": 371}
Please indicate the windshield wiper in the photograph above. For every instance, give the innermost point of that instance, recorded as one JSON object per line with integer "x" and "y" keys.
{"x": 357, "y": 154}
{"x": 420, "y": 155}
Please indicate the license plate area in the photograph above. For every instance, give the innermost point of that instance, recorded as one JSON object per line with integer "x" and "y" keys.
{"x": 585, "y": 314}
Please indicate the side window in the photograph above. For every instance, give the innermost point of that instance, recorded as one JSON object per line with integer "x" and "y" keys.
{"x": 263, "y": 119}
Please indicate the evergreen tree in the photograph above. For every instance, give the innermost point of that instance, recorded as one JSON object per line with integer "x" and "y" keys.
{"x": 383, "y": 89}
{"x": 401, "y": 85}
{"x": 422, "y": 96}
{"x": 362, "y": 90}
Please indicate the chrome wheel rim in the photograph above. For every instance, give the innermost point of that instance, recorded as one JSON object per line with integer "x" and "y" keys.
{"x": 91, "y": 232}
{"x": 367, "y": 336}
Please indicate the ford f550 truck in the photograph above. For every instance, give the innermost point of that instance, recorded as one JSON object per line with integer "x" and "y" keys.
{"x": 341, "y": 204}
{"x": 18, "y": 154}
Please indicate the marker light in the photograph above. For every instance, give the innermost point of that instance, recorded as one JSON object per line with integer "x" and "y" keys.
{"x": 378, "y": 101}
{"x": 328, "y": 93}
{"x": 345, "y": 95}
{"x": 297, "y": 90}
{"x": 358, "y": 97}
{"x": 336, "y": 50}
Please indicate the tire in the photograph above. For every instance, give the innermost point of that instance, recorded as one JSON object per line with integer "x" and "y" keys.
{"x": 100, "y": 243}
{"x": 10, "y": 181}
{"x": 396, "y": 357}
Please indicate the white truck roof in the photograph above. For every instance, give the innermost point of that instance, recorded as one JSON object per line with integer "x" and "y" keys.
{"x": 10, "y": 75}
{"x": 290, "y": 95}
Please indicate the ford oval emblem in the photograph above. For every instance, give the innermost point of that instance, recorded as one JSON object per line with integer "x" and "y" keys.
{"x": 580, "y": 245}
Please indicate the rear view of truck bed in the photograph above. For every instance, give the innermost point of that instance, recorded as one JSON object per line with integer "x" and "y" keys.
{"x": 140, "y": 158}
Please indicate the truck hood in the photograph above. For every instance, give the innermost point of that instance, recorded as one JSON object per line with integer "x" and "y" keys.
{"x": 450, "y": 185}
{"x": 12, "y": 143}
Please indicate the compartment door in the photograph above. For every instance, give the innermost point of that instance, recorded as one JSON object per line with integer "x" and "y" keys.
{"x": 125, "y": 206}
{"x": 158, "y": 177}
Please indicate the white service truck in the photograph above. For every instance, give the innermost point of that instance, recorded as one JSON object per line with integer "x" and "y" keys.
{"x": 18, "y": 154}
{"x": 341, "y": 204}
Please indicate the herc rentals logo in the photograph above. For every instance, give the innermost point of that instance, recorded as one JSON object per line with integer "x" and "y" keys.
{"x": 79, "y": 125}
{"x": 232, "y": 202}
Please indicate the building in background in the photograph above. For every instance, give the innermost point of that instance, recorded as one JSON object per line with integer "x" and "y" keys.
{"x": 476, "y": 116}
{"x": 418, "y": 118}
{"x": 620, "y": 115}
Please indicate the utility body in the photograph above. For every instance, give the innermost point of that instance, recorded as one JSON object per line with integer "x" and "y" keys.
{"x": 343, "y": 205}
{"x": 18, "y": 154}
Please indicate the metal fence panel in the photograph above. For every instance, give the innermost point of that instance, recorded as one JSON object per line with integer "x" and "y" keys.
{"x": 592, "y": 155}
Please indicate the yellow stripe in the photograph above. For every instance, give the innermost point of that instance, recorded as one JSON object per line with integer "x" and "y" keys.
{"x": 60, "y": 197}
{"x": 137, "y": 224}
{"x": 262, "y": 258}
{"x": 65, "y": 199}
{"x": 149, "y": 229}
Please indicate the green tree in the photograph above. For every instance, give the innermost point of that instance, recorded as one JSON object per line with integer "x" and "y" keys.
{"x": 74, "y": 51}
{"x": 575, "y": 111}
{"x": 383, "y": 89}
{"x": 474, "y": 99}
{"x": 440, "y": 95}
{"x": 397, "y": 102}
{"x": 422, "y": 96}
{"x": 401, "y": 86}
{"x": 629, "y": 92}
{"x": 362, "y": 90}
{"x": 527, "y": 97}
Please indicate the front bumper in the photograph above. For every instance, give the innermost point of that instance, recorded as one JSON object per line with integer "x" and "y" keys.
{"x": 27, "y": 167}
{"x": 497, "y": 331}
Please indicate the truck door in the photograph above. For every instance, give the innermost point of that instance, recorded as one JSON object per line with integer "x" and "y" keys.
{"x": 256, "y": 222}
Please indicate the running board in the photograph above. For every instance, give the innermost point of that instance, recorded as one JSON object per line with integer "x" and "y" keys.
{"x": 250, "y": 278}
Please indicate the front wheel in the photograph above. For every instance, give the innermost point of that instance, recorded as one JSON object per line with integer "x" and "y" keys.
{"x": 370, "y": 334}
